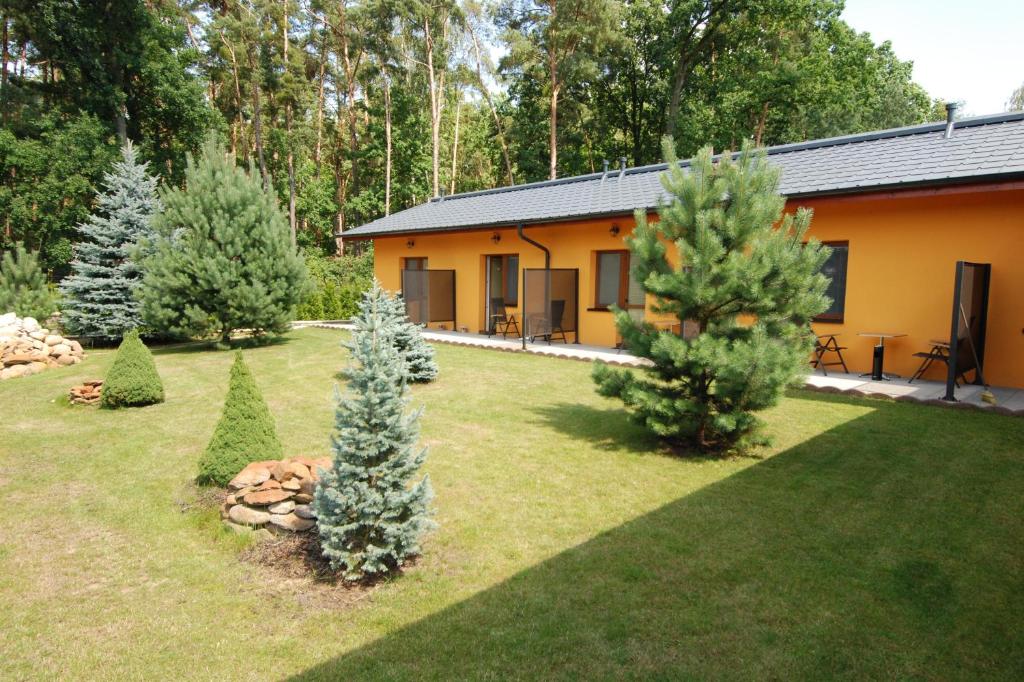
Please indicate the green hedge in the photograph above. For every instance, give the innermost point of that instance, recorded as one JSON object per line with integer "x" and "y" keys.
{"x": 339, "y": 284}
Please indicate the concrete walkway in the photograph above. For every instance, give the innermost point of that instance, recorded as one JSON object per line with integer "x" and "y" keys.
{"x": 1008, "y": 400}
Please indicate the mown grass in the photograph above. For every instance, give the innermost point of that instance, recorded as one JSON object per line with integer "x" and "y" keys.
{"x": 874, "y": 539}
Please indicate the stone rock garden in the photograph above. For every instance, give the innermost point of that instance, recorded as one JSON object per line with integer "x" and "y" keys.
{"x": 27, "y": 348}
{"x": 274, "y": 495}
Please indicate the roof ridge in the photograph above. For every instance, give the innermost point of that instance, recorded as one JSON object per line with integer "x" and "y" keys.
{"x": 821, "y": 143}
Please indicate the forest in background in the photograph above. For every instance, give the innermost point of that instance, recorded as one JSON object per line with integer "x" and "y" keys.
{"x": 352, "y": 110}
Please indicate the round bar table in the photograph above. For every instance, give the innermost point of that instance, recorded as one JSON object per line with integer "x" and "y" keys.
{"x": 878, "y": 359}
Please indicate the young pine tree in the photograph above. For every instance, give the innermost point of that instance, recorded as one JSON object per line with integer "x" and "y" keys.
{"x": 100, "y": 294}
{"x": 744, "y": 276}
{"x": 370, "y": 513}
{"x": 417, "y": 354}
{"x": 23, "y": 287}
{"x": 224, "y": 260}
{"x": 132, "y": 380}
{"x": 245, "y": 432}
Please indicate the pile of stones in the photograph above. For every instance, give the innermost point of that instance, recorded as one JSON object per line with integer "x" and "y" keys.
{"x": 87, "y": 393}
{"x": 274, "y": 495}
{"x": 27, "y": 348}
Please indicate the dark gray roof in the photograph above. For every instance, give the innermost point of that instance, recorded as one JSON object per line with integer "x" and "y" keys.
{"x": 984, "y": 148}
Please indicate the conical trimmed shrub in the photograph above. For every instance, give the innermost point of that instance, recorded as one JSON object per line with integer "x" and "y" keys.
{"x": 132, "y": 380}
{"x": 245, "y": 432}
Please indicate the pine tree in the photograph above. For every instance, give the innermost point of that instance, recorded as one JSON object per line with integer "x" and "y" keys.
{"x": 100, "y": 294}
{"x": 369, "y": 512}
{"x": 245, "y": 432}
{"x": 132, "y": 380}
{"x": 23, "y": 288}
{"x": 417, "y": 354}
{"x": 224, "y": 260}
{"x": 749, "y": 287}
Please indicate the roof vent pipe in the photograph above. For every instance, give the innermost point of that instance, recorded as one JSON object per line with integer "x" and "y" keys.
{"x": 622, "y": 166}
{"x": 605, "y": 173}
{"x": 950, "y": 116}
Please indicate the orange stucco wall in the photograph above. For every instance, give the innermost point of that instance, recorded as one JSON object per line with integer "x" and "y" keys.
{"x": 903, "y": 250}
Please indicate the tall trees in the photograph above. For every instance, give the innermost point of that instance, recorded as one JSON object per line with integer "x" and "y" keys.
{"x": 353, "y": 109}
{"x": 561, "y": 39}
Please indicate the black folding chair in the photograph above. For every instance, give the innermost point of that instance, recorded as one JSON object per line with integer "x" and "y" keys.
{"x": 501, "y": 321}
{"x": 553, "y": 327}
{"x": 829, "y": 345}
{"x": 938, "y": 353}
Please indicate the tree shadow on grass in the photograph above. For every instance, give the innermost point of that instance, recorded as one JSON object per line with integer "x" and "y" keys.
{"x": 244, "y": 343}
{"x": 849, "y": 555}
{"x": 607, "y": 429}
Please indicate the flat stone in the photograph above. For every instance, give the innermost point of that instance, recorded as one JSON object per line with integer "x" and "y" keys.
{"x": 291, "y": 484}
{"x": 248, "y": 516}
{"x": 304, "y": 511}
{"x": 269, "y": 485}
{"x": 249, "y": 477}
{"x": 262, "y": 498}
{"x": 39, "y": 335}
{"x": 281, "y": 507}
{"x": 303, "y": 498}
{"x": 30, "y": 324}
{"x": 36, "y": 367}
{"x": 308, "y": 486}
{"x": 53, "y": 339}
{"x": 291, "y": 522}
{"x": 65, "y": 360}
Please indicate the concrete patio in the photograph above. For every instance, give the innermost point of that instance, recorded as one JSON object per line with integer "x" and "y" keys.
{"x": 1008, "y": 400}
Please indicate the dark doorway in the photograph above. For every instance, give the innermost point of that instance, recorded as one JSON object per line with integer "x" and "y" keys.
{"x": 970, "y": 320}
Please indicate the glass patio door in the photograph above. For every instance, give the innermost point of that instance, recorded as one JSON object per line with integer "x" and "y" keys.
{"x": 495, "y": 289}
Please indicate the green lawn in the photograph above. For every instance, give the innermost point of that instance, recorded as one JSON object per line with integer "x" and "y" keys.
{"x": 876, "y": 539}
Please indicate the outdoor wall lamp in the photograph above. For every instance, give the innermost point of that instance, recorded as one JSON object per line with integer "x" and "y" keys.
{"x": 410, "y": 243}
{"x": 495, "y": 237}
{"x": 614, "y": 231}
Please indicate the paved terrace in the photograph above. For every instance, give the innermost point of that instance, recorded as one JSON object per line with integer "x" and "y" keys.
{"x": 1008, "y": 400}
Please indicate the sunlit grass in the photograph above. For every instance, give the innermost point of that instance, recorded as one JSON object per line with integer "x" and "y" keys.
{"x": 872, "y": 539}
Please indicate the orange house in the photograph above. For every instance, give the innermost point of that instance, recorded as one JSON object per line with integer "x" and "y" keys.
{"x": 899, "y": 207}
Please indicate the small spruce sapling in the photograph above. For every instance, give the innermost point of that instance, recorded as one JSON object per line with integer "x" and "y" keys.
{"x": 370, "y": 513}
{"x": 132, "y": 380}
{"x": 245, "y": 432}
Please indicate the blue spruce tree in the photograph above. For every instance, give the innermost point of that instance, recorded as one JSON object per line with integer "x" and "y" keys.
{"x": 370, "y": 513}
{"x": 416, "y": 353}
{"x": 101, "y": 291}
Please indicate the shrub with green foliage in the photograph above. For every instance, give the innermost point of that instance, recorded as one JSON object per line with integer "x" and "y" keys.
{"x": 245, "y": 432}
{"x": 132, "y": 380}
{"x": 23, "y": 287}
{"x": 370, "y": 513}
{"x": 338, "y": 284}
